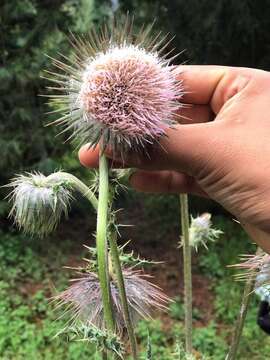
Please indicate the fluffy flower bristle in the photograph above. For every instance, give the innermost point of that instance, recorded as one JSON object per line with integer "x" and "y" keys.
{"x": 129, "y": 92}
{"x": 256, "y": 267}
{"x": 84, "y": 302}
{"x": 253, "y": 265}
{"x": 39, "y": 202}
{"x": 119, "y": 90}
{"x": 262, "y": 283}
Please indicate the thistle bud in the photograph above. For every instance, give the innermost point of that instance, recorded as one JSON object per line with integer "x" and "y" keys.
{"x": 39, "y": 202}
{"x": 201, "y": 231}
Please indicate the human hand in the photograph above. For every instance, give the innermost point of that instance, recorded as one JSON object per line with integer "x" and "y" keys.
{"x": 223, "y": 151}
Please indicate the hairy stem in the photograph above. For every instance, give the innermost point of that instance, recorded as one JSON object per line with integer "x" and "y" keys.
{"x": 77, "y": 185}
{"x": 187, "y": 271}
{"x": 242, "y": 314}
{"x": 122, "y": 292}
{"x": 87, "y": 193}
{"x": 101, "y": 239}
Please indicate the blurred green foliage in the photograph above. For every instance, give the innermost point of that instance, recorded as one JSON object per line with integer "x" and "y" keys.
{"x": 29, "y": 272}
{"x": 224, "y": 32}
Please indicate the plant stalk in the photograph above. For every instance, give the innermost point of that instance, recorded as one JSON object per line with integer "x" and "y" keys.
{"x": 101, "y": 239}
{"x": 236, "y": 337}
{"x": 79, "y": 186}
{"x": 86, "y": 192}
{"x": 122, "y": 292}
{"x": 187, "y": 271}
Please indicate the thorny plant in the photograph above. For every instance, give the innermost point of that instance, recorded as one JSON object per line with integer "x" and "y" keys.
{"x": 83, "y": 299}
{"x": 102, "y": 339}
{"x": 117, "y": 90}
{"x": 128, "y": 259}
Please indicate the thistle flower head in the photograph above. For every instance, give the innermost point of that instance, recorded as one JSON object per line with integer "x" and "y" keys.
{"x": 256, "y": 267}
{"x": 253, "y": 262}
{"x": 253, "y": 265}
{"x": 120, "y": 88}
{"x": 84, "y": 301}
{"x": 201, "y": 231}
{"x": 39, "y": 201}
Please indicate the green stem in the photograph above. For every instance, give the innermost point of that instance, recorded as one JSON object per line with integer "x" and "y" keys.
{"x": 77, "y": 185}
{"x": 187, "y": 272}
{"x": 242, "y": 315}
{"x": 122, "y": 292}
{"x": 101, "y": 239}
{"x": 87, "y": 193}
{"x": 101, "y": 206}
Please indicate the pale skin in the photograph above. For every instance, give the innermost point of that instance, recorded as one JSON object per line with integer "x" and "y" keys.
{"x": 220, "y": 149}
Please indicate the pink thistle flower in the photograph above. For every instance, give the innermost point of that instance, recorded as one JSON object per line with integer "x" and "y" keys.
{"x": 84, "y": 302}
{"x": 118, "y": 90}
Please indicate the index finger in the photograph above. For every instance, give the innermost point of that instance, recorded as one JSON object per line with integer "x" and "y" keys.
{"x": 215, "y": 85}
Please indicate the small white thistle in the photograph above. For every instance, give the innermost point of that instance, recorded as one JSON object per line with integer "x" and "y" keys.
{"x": 201, "y": 231}
{"x": 39, "y": 201}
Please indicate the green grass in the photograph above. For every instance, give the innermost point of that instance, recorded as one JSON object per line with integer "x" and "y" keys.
{"x": 31, "y": 269}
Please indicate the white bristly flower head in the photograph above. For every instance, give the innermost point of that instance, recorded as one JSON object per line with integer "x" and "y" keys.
{"x": 39, "y": 202}
{"x": 119, "y": 88}
{"x": 201, "y": 231}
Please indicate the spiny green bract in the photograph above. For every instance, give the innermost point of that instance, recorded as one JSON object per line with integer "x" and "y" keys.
{"x": 127, "y": 259}
{"x": 102, "y": 339}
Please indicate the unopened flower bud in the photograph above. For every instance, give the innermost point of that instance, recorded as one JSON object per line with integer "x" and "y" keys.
{"x": 39, "y": 202}
{"x": 201, "y": 231}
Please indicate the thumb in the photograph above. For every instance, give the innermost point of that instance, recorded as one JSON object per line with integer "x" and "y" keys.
{"x": 185, "y": 148}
